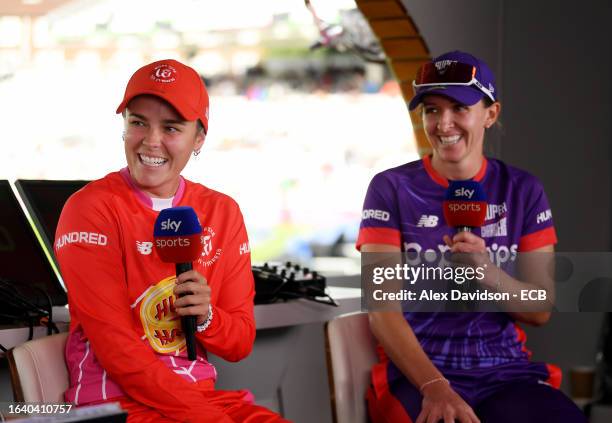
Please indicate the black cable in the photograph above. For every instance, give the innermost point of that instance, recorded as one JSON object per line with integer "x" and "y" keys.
{"x": 31, "y": 329}
{"x": 49, "y": 310}
{"x": 22, "y": 301}
{"x": 25, "y": 310}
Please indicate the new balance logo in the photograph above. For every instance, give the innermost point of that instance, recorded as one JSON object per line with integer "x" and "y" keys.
{"x": 145, "y": 248}
{"x": 428, "y": 221}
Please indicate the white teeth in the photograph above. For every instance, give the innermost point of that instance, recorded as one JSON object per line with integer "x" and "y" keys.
{"x": 152, "y": 161}
{"x": 453, "y": 139}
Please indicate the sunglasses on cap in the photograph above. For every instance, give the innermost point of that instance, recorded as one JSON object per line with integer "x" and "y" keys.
{"x": 452, "y": 73}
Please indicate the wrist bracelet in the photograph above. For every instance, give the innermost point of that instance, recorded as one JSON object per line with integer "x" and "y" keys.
{"x": 201, "y": 328}
{"x": 437, "y": 379}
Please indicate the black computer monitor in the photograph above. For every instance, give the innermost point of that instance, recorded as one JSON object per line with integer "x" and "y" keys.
{"x": 45, "y": 201}
{"x": 22, "y": 258}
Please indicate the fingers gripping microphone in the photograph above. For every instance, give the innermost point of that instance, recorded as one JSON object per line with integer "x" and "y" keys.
{"x": 465, "y": 208}
{"x": 177, "y": 236}
{"x": 465, "y": 205}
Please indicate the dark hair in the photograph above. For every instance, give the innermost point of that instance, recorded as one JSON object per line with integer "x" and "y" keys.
{"x": 200, "y": 126}
{"x": 487, "y": 101}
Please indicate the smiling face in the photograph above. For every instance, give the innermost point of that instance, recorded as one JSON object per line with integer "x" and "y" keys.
{"x": 456, "y": 134}
{"x": 158, "y": 144}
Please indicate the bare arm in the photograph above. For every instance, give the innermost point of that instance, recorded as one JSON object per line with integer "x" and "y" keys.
{"x": 533, "y": 269}
{"x": 403, "y": 348}
{"x": 532, "y": 274}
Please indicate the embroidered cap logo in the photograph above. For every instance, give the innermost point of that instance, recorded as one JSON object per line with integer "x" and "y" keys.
{"x": 164, "y": 73}
{"x": 442, "y": 65}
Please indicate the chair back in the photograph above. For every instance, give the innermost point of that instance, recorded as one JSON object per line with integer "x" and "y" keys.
{"x": 351, "y": 354}
{"x": 38, "y": 369}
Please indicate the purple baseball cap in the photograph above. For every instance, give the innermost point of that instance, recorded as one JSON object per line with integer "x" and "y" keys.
{"x": 463, "y": 94}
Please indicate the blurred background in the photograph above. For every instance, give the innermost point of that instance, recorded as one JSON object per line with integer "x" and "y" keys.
{"x": 294, "y": 134}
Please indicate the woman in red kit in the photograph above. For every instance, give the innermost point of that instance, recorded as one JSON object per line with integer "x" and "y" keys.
{"x": 125, "y": 341}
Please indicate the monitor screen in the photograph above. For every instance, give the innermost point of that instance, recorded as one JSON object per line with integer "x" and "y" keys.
{"x": 22, "y": 258}
{"x": 45, "y": 201}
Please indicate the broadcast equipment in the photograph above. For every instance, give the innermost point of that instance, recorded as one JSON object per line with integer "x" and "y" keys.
{"x": 464, "y": 208}
{"x": 22, "y": 258}
{"x": 465, "y": 205}
{"x": 45, "y": 200}
{"x": 177, "y": 236}
{"x": 29, "y": 287}
{"x": 275, "y": 282}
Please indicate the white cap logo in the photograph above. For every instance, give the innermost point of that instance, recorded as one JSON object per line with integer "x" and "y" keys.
{"x": 163, "y": 73}
{"x": 441, "y": 65}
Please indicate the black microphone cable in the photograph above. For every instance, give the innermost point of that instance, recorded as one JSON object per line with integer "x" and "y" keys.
{"x": 19, "y": 308}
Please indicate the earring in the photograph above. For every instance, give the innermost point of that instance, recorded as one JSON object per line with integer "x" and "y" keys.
{"x": 123, "y": 136}
{"x": 196, "y": 153}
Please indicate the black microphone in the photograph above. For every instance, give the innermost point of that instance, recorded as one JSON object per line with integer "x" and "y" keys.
{"x": 464, "y": 208}
{"x": 177, "y": 237}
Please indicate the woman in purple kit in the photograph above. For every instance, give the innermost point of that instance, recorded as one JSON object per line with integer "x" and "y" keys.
{"x": 451, "y": 366}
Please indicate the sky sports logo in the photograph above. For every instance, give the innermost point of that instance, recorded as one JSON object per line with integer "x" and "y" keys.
{"x": 171, "y": 225}
{"x": 464, "y": 207}
{"x": 172, "y": 242}
{"x": 464, "y": 192}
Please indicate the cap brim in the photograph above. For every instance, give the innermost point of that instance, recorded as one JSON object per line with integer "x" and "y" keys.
{"x": 461, "y": 94}
{"x": 185, "y": 114}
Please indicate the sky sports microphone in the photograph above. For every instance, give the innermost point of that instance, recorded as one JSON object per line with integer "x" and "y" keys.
{"x": 177, "y": 236}
{"x": 465, "y": 205}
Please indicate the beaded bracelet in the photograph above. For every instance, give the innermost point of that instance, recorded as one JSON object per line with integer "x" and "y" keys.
{"x": 201, "y": 328}
{"x": 437, "y": 379}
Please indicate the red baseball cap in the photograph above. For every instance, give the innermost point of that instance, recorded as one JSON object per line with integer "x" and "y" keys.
{"x": 178, "y": 84}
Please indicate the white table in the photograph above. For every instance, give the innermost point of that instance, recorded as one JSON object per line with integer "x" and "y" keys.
{"x": 287, "y": 370}
{"x": 267, "y": 316}
{"x": 299, "y": 312}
